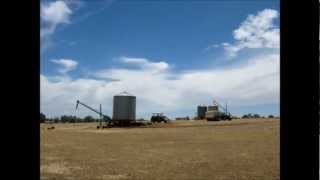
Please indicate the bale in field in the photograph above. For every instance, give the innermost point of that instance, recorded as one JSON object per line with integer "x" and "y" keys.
{"x": 50, "y": 128}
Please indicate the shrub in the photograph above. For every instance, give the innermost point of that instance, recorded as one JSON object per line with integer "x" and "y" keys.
{"x": 270, "y": 116}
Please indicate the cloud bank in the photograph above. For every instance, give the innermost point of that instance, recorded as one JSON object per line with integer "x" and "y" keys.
{"x": 159, "y": 89}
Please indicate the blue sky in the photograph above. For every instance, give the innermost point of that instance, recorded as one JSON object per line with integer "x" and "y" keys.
{"x": 171, "y": 55}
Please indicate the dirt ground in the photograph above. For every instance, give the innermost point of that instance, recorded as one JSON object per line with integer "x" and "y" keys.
{"x": 229, "y": 150}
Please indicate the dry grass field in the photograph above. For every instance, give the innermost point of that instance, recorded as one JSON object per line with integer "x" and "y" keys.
{"x": 233, "y": 150}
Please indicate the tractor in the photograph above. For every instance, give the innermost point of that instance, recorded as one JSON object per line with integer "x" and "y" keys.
{"x": 159, "y": 117}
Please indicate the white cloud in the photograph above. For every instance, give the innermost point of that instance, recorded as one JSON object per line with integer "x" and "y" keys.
{"x": 52, "y": 14}
{"x": 67, "y": 65}
{"x": 145, "y": 64}
{"x": 253, "y": 83}
{"x": 211, "y": 47}
{"x": 257, "y": 31}
{"x": 56, "y": 12}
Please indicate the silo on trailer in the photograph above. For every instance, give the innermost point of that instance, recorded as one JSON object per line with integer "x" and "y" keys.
{"x": 124, "y": 108}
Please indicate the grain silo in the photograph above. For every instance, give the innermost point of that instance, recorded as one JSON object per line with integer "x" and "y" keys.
{"x": 201, "y": 112}
{"x": 124, "y": 108}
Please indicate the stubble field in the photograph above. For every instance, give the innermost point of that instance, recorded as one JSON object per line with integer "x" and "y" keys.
{"x": 244, "y": 149}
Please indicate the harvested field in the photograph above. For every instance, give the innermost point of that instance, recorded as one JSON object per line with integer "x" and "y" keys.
{"x": 239, "y": 149}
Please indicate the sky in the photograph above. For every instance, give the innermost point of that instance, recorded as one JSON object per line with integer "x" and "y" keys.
{"x": 172, "y": 55}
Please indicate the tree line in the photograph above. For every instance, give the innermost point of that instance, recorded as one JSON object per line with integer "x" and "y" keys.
{"x": 256, "y": 116}
{"x": 67, "y": 119}
{"x": 75, "y": 119}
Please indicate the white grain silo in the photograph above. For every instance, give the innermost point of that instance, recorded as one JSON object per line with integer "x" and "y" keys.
{"x": 124, "y": 108}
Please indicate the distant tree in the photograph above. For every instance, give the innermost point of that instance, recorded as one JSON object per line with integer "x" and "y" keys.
{"x": 68, "y": 119}
{"x": 77, "y": 119}
{"x": 256, "y": 116}
{"x": 88, "y": 119}
{"x": 245, "y": 116}
{"x": 72, "y": 119}
{"x": 56, "y": 120}
{"x": 270, "y": 116}
{"x": 42, "y": 118}
{"x": 64, "y": 118}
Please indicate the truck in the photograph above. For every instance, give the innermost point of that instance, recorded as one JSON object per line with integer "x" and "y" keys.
{"x": 218, "y": 116}
{"x": 213, "y": 113}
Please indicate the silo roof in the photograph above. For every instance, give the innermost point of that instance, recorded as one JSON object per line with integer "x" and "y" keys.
{"x": 124, "y": 93}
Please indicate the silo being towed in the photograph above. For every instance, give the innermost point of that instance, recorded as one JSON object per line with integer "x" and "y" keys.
{"x": 124, "y": 108}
